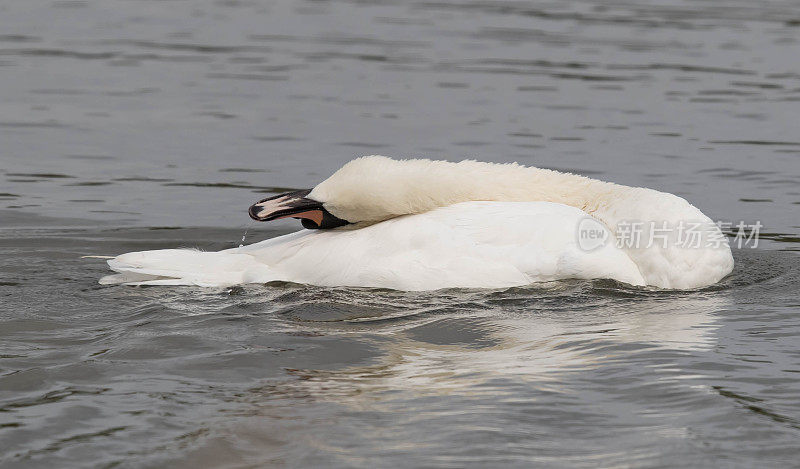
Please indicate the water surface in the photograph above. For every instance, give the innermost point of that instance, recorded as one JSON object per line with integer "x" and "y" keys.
{"x": 137, "y": 125}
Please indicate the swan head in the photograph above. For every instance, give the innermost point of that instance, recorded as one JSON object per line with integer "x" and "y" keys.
{"x": 366, "y": 190}
{"x": 312, "y": 213}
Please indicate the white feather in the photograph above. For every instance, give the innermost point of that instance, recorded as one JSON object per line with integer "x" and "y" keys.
{"x": 422, "y": 224}
{"x": 375, "y": 188}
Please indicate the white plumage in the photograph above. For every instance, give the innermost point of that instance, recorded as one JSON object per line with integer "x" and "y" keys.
{"x": 424, "y": 225}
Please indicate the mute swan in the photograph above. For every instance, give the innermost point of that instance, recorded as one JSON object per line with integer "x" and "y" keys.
{"x": 424, "y": 225}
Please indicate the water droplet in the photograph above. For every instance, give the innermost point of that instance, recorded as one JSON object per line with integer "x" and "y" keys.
{"x": 241, "y": 244}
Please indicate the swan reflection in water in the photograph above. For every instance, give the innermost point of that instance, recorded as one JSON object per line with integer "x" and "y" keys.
{"x": 453, "y": 352}
{"x": 483, "y": 352}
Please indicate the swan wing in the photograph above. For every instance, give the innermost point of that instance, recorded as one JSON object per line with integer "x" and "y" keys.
{"x": 469, "y": 245}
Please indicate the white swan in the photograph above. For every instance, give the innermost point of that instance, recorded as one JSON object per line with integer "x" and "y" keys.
{"x": 424, "y": 225}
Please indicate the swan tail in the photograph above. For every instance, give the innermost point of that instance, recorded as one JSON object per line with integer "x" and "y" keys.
{"x": 186, "y": 267}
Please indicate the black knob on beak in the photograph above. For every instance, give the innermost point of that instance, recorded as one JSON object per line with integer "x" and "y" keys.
{"x": 254, "y": 210}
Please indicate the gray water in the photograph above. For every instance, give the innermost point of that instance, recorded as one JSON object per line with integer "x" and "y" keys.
{"x": 131, "y": 125}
